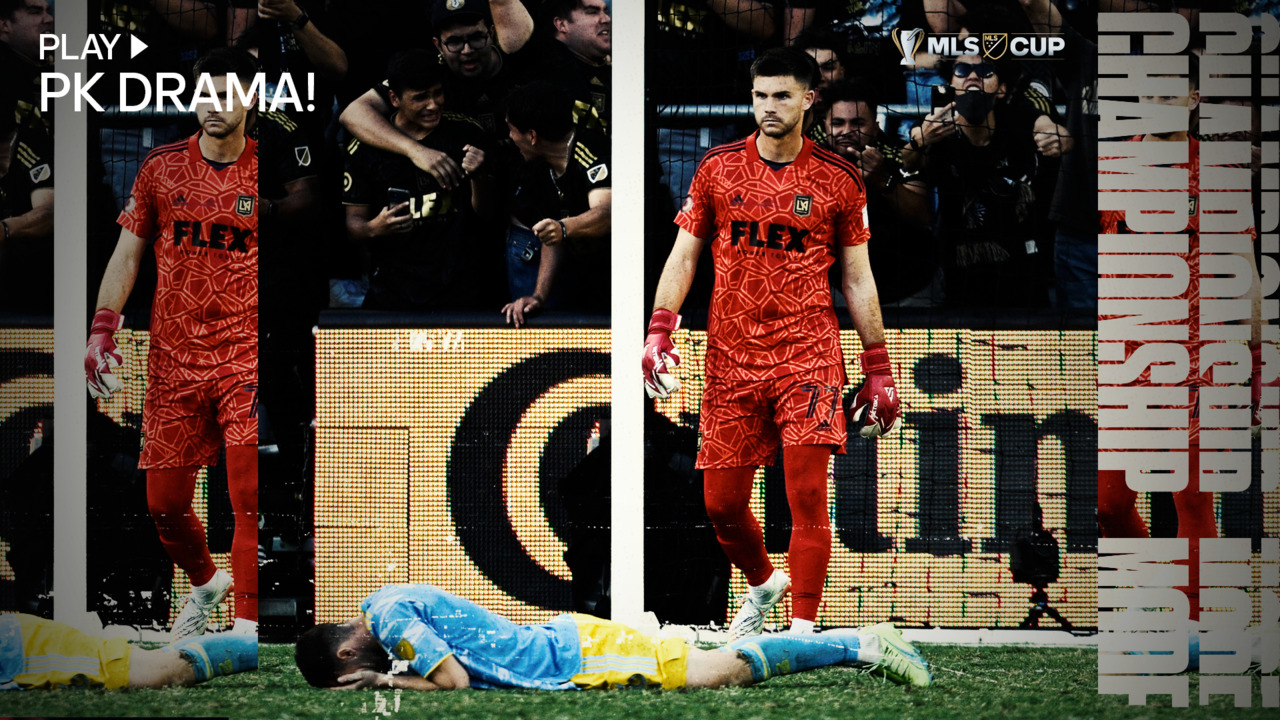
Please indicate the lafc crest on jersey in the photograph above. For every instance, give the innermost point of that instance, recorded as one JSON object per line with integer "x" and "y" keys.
{"x": 803, "y": 205}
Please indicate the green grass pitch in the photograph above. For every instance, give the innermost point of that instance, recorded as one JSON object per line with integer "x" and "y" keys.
{"x": 993, "y": 682}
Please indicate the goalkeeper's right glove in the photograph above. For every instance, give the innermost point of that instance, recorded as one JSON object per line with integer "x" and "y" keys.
{"x": 660, "y": 356}
{"x": 875, "y": 410}
{"x": 102, "y": 357}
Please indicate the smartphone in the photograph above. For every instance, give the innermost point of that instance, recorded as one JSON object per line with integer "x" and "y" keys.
{"x": 397, "y": 196}
{"x": 943, "y": 95}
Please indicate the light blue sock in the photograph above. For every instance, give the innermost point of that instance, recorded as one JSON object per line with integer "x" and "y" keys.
{"x": 783, "y": 653}
{"x": 216, "y": 655}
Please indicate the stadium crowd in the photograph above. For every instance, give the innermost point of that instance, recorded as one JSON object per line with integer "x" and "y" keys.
{"x": 980, "y": 169}
{"x": 461, "y": 169}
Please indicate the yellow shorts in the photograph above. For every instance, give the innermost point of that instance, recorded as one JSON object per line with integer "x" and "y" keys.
{"x": 614, "y": 655}
{"x": 58, "y": 655}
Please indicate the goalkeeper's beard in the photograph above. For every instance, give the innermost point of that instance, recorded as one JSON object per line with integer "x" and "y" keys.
{"x": 221, "y": 128}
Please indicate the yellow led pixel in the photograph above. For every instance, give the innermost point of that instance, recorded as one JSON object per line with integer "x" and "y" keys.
{"x": 435, "y": 452}
{"x": 989, "y": 417}
{"x": 24, "y": 386}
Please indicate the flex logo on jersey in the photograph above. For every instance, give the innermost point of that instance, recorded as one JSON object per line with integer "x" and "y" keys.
{"x": 803, "y": 205}
{"x": 219, "y": 237}
{"x": 775, "y": 235}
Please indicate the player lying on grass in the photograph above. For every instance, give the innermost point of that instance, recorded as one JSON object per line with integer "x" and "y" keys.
{"x": 450, "y": 643}
{"x": 36, "y": 653}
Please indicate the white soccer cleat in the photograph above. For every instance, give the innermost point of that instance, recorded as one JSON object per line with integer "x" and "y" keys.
{"x": 757, "y": 603}
{"x": 201, "y": 602}
{"x": 894, "y": 657}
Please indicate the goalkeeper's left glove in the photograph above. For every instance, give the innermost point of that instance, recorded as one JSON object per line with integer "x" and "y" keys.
{"x": 102, "y": 357}
{"x": 1256, "y": 385}
{"x": 660, "y": 356}
{"x": 875, "y": 407}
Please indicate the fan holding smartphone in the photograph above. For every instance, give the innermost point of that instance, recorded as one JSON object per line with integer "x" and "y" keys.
{"x": 421, "y": 236}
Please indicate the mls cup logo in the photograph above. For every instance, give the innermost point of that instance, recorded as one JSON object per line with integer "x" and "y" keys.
{"x": 908, "y": 42}
{"x": 994, "y": 45}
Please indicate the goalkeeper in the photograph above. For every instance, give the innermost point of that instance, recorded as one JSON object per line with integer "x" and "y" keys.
{"x": 450, "y": 643}
{"x": 777, "y": 211}
{"x": 38, "y": 654}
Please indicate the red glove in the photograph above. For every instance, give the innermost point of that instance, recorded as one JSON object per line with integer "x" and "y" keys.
{"x": 1256, "y": 384}
{"x": 875, "y": 407}
{"x": 102, "y": 357}
{"x": 660, "y": 356}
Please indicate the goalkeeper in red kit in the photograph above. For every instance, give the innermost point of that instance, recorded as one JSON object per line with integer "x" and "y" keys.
{"x": 777, "y": 210}
{"x": 195, "y": 202}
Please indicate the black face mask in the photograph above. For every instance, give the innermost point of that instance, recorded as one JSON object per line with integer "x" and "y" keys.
{"x": 974, "y": 106}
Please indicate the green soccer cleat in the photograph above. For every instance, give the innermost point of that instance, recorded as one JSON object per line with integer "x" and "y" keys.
{"x": 899, "y": 660}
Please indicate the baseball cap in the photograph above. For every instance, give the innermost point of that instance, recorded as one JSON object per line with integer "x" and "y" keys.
{"x": 446, "y": 12}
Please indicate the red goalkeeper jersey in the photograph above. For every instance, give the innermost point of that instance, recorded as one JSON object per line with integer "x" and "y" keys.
{"x": 774, "y": 235}
{"x": 203, "y": 221}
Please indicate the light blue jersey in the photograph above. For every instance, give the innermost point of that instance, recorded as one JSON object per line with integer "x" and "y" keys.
{"x": 11, "y": 661}
{"x": 424, "y": 624}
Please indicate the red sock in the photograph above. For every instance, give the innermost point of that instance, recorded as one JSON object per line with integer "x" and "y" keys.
{"x": 1118, "y": 507}
{"x": 810, "y": 551}
{"x": 242, "y": 481}
{"x": 727, "y": 492}
{"x": 1195, "y": 521}
{"x": 169, "y": 492}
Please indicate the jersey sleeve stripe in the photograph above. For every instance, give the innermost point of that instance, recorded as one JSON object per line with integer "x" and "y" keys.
{"x": 178, "y": 146}
{"x": 833, "y": 159}
{"x": 738, "y": 146}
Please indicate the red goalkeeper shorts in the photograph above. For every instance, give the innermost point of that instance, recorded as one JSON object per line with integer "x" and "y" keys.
{"x": 185, "y": 423}
{"x": 743, "y": 422}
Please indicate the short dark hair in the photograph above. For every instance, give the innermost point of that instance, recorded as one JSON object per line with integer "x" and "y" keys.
{"x": 9, "y": 8}
{"x": 316, "y": 655}
{"x": 786, "y": 62}
{"x": 543, "y": 107}
{"x": 259, "y": 35}
{"x": 850, "y": 91}
{"x": 414, "y": 69}
{"x": 225, "y": 61}
{"x": 818, "y": 39}
{"x": 560, "y": 8}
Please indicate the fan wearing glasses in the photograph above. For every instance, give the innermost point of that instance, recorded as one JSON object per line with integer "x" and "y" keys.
{"x": 476, "y": 39}
{"x": 992, "y": 157}
{"x": 978, "y": 89}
